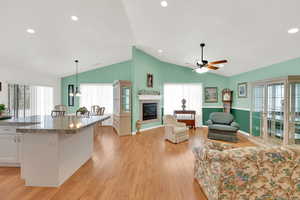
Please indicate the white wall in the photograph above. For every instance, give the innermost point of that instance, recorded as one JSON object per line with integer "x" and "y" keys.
{"x": 27, "y": 77}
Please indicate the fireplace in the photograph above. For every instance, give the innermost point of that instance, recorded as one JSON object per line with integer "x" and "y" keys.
{"x": 149, "y": 111}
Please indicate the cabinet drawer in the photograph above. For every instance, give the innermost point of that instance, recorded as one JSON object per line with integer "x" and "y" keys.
{"x": 7, "y": 130}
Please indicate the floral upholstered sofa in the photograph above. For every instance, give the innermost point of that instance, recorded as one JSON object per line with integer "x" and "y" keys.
{"x": 248, "y": 173}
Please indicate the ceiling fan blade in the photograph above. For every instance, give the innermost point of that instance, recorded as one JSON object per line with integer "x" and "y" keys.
{"x": 218, "y": 62}
{"x": 212, "y": 67}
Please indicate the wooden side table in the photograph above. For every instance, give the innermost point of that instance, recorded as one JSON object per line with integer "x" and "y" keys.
{"x": 186, "y": 116}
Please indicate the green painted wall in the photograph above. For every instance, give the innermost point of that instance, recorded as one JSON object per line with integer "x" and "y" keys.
{"x": 136, "y": 71}
{"x": 167, "y": 73}
{"x": 141, "y": 63}
{"x": 243, "y": 118}
{"x": 119, "y": 71}
{"x": 206, "y": 112}
{"x": 290, "y": 67}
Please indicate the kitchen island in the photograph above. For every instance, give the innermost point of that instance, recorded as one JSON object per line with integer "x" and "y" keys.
{"x": 53, "y": 148}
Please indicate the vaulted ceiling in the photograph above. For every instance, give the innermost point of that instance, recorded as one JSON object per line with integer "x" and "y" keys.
{"x": 250, "y": 34}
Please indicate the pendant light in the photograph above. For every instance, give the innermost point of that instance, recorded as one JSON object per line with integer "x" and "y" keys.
{"x": 77, "y": 89}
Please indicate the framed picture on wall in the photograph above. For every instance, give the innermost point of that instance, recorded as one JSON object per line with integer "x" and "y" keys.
{"x": 211, "y": 94}
{"x": 71, "y": 97}
{"x": 242, "y": 90}
{"x": 149, "y": 80}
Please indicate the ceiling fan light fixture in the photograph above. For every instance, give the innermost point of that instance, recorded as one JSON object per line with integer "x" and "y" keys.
{"x": 293, "y": 30}
{"x": 201, "y": 70}
{"x": 164, "y": 4}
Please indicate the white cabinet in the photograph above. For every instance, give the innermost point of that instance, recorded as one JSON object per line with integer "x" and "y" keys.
{"x": 122, "y": 107}
{"x": 10, "y": 146}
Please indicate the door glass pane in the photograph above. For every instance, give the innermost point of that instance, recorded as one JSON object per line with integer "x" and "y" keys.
{"x": 294, "y": 117}
{"x": 275, "y": 111}
{"x": 257, "y": 110}
{"x": 126, "y": 99}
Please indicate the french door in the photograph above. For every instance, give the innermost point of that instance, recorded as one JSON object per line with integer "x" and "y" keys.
{"x": 294, "y": 109}
{"x": 268, "y": 111}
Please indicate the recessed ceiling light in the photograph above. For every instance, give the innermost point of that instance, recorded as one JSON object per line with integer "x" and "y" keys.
{"x": 164, "y": 4}
{"x": 74, "y": 18}
{"x": 160, "y": 51}
{"x": 30, "y": 30}
{"x": 293, "y": 30}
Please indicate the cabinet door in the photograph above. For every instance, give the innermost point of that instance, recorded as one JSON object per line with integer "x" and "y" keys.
{"x": 9, "y": 150}
{"x": 125, "y": 99}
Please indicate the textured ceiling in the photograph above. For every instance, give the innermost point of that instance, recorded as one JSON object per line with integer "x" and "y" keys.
{"x": 250, "y": 34}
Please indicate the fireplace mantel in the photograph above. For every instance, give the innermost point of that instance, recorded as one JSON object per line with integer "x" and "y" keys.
{"x": 149, "y": 97}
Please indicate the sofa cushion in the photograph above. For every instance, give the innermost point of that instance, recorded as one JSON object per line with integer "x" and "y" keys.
{"x": 221, "y": 118}
{"x": 222, "y": 127}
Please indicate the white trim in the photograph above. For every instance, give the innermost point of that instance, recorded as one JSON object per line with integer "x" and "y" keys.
{"x": 147, "y": 129}
{"x": 95, "y": 84}
{"x": 246, "y": 109}
{"x": 149, "y": 97}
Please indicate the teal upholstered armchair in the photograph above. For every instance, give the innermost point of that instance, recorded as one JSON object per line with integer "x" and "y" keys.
{"x": 221, "y": 126}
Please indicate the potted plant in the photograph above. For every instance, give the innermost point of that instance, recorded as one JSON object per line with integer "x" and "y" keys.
{"x": 2, "y": 109}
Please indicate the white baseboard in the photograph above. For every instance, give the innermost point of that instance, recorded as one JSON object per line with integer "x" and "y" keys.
{"x": 147, "y": 129}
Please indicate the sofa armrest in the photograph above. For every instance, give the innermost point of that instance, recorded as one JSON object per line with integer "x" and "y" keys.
{"x": 217, "y": 146}
{"x": 234, "y": 124}
{"x": 209, "y": 122}
{"x": 210, "y": 149}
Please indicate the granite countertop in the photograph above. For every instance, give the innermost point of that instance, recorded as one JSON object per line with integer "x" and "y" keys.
{"x": 48, "y": 124}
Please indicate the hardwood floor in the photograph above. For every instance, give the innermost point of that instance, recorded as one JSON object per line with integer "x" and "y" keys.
{"x": 140, "y": 167}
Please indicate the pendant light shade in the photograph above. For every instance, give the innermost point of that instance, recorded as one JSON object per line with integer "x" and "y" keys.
{"x": 77, "y": 92}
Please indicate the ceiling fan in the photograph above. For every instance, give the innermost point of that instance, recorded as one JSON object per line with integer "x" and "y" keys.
{"x": 203, "y": 66}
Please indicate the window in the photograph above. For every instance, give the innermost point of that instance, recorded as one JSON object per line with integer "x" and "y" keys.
{"x": 192, "y": 93}
{"x": 41, "y": 100}
{"x": 258, "y": 95}
{"x": 97, "y": 94}
{"x": 24, "y": 100}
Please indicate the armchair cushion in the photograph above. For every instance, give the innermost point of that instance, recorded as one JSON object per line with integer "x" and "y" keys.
{"x": 221, "y": 118}
{"x": 179, "y": 129}
{"x": 180, "y": 124}
{"x": 222, "y": 127}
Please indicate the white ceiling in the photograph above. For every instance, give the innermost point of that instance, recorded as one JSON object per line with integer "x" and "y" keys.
{"x": 250, "y": 34}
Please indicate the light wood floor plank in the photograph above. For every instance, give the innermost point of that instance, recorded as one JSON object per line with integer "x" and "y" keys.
{"x": 140, "y": 167}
